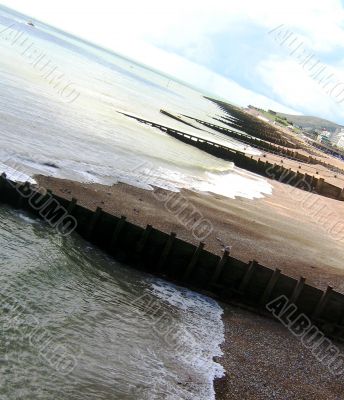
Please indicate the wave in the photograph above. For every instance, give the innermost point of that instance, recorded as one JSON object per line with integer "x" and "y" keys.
{"x": 205, "y": 337}
{"x": 15, "y": 175}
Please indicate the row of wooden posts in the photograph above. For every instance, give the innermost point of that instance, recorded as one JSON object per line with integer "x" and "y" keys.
{"x": 270, "y": 147}
{"x": 260, "y": 144}
{"x": 273, "y": 171}
{"x": 226, "y": 278}
{"x": 253, "y": 126}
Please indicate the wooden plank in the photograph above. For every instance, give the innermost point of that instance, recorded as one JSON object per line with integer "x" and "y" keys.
{"x": 119, "y": 226}
{"x": 247, "y": 276}
{"x": 93, "y": 223}
{"x": 143, "y": 240}
{"x": 322, "y": 302}
{"x": 270, "y": 286}
{"x": 193, "y": 261}
{"x": 72, "y": 206}
{"x": 297, "y": 290}
{"x": 219, "y": 268}
{"x": 21, "y": 198}
{"x": 166, "y": 251}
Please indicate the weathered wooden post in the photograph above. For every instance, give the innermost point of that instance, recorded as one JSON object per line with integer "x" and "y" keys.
{"x": 193, "y": 262}
{"x": 21, "y": 197}
{"x": 143, "y": 239}
{"x": 297, "y": 290}
{"x": 219, "y": 268}
{"x": 270, "y": 287}
{"x": 93, "y": 222}
{"x": 72, "y": 206}
{"x": 166, "y": 252}
{"x": 3, "y": 179}
{"x": 341, "y": 195}
{"x": 118, "y": 229}
{"x": 319, "y": 185}
{"x": 322, "y": 303}
{"x": 249, "y": 272}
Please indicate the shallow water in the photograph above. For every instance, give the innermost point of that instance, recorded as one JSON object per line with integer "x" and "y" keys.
{"x": 77, "y": 325}
{"x": 74, "y": 323}
{"x": 87, "y": 139}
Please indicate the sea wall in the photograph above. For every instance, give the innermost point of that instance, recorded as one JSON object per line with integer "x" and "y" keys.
{"x": 250, "y": 285}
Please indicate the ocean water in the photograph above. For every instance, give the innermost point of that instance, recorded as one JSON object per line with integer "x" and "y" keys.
{"x": 60, "y": 100}
{"x": 75, "y": 324}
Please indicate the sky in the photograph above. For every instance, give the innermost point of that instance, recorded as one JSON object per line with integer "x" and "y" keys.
{"x": 287, "y": 56}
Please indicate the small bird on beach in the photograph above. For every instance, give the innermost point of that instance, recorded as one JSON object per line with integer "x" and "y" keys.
{"x": 224, "y": 247}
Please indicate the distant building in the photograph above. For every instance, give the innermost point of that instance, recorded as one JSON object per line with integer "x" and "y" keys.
{"x": 336, "y": 136}
{"x": 317, "y": 137}
{"x": 322, "y": 136}
{"x": 325, "y": 140}
{"x": 340, "y": 142}
{"x": 326, "y": 134}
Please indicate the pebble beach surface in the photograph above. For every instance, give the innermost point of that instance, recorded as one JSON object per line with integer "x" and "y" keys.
{"x": 264, "y": 361}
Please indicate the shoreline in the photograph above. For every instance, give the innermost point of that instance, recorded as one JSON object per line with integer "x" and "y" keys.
{"x": 142, "y": 207}
{"x": 278, "y": 230}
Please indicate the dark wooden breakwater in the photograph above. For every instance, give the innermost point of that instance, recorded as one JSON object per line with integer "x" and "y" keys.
{"x": 266, "y": 169}
{"x": 252, "y": 125}
{"x": 230, "y": 280}
{"x": 269, "y": 147}
{"x": 259, "y": 143}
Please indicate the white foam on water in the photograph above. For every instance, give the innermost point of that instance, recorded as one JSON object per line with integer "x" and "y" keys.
{"x": 238, "y": 183}
{"x": 27, "y": 219}
{"x": 88, "y": 140}
{"x": 201, "y": 317}
{"x": 15, "y": 175}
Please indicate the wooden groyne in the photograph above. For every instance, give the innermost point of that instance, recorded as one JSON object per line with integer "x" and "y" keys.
{"x": 243, "y": 138}
{"x": 271, "y": 148}
{"x": 259, "y": 143}
{"x": 266, "y": 169}
{"x": 250, "y": 124}
{"x": 226, "y": 278}
{"x": 253, "y": 126}
{"x": 336, "y": 152}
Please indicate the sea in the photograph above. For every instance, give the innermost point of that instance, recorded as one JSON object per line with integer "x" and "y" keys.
{"x": 71, "y": 327}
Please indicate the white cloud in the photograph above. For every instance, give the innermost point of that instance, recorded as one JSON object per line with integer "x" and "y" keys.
{"x": 290, "y": 83}
{"x": 207, "y": 80}
{"x": 131, "y": 26}
{"x": 183, "y": 22}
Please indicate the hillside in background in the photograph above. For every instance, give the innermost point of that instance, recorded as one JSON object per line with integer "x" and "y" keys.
{"x": 311, "y": 123}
